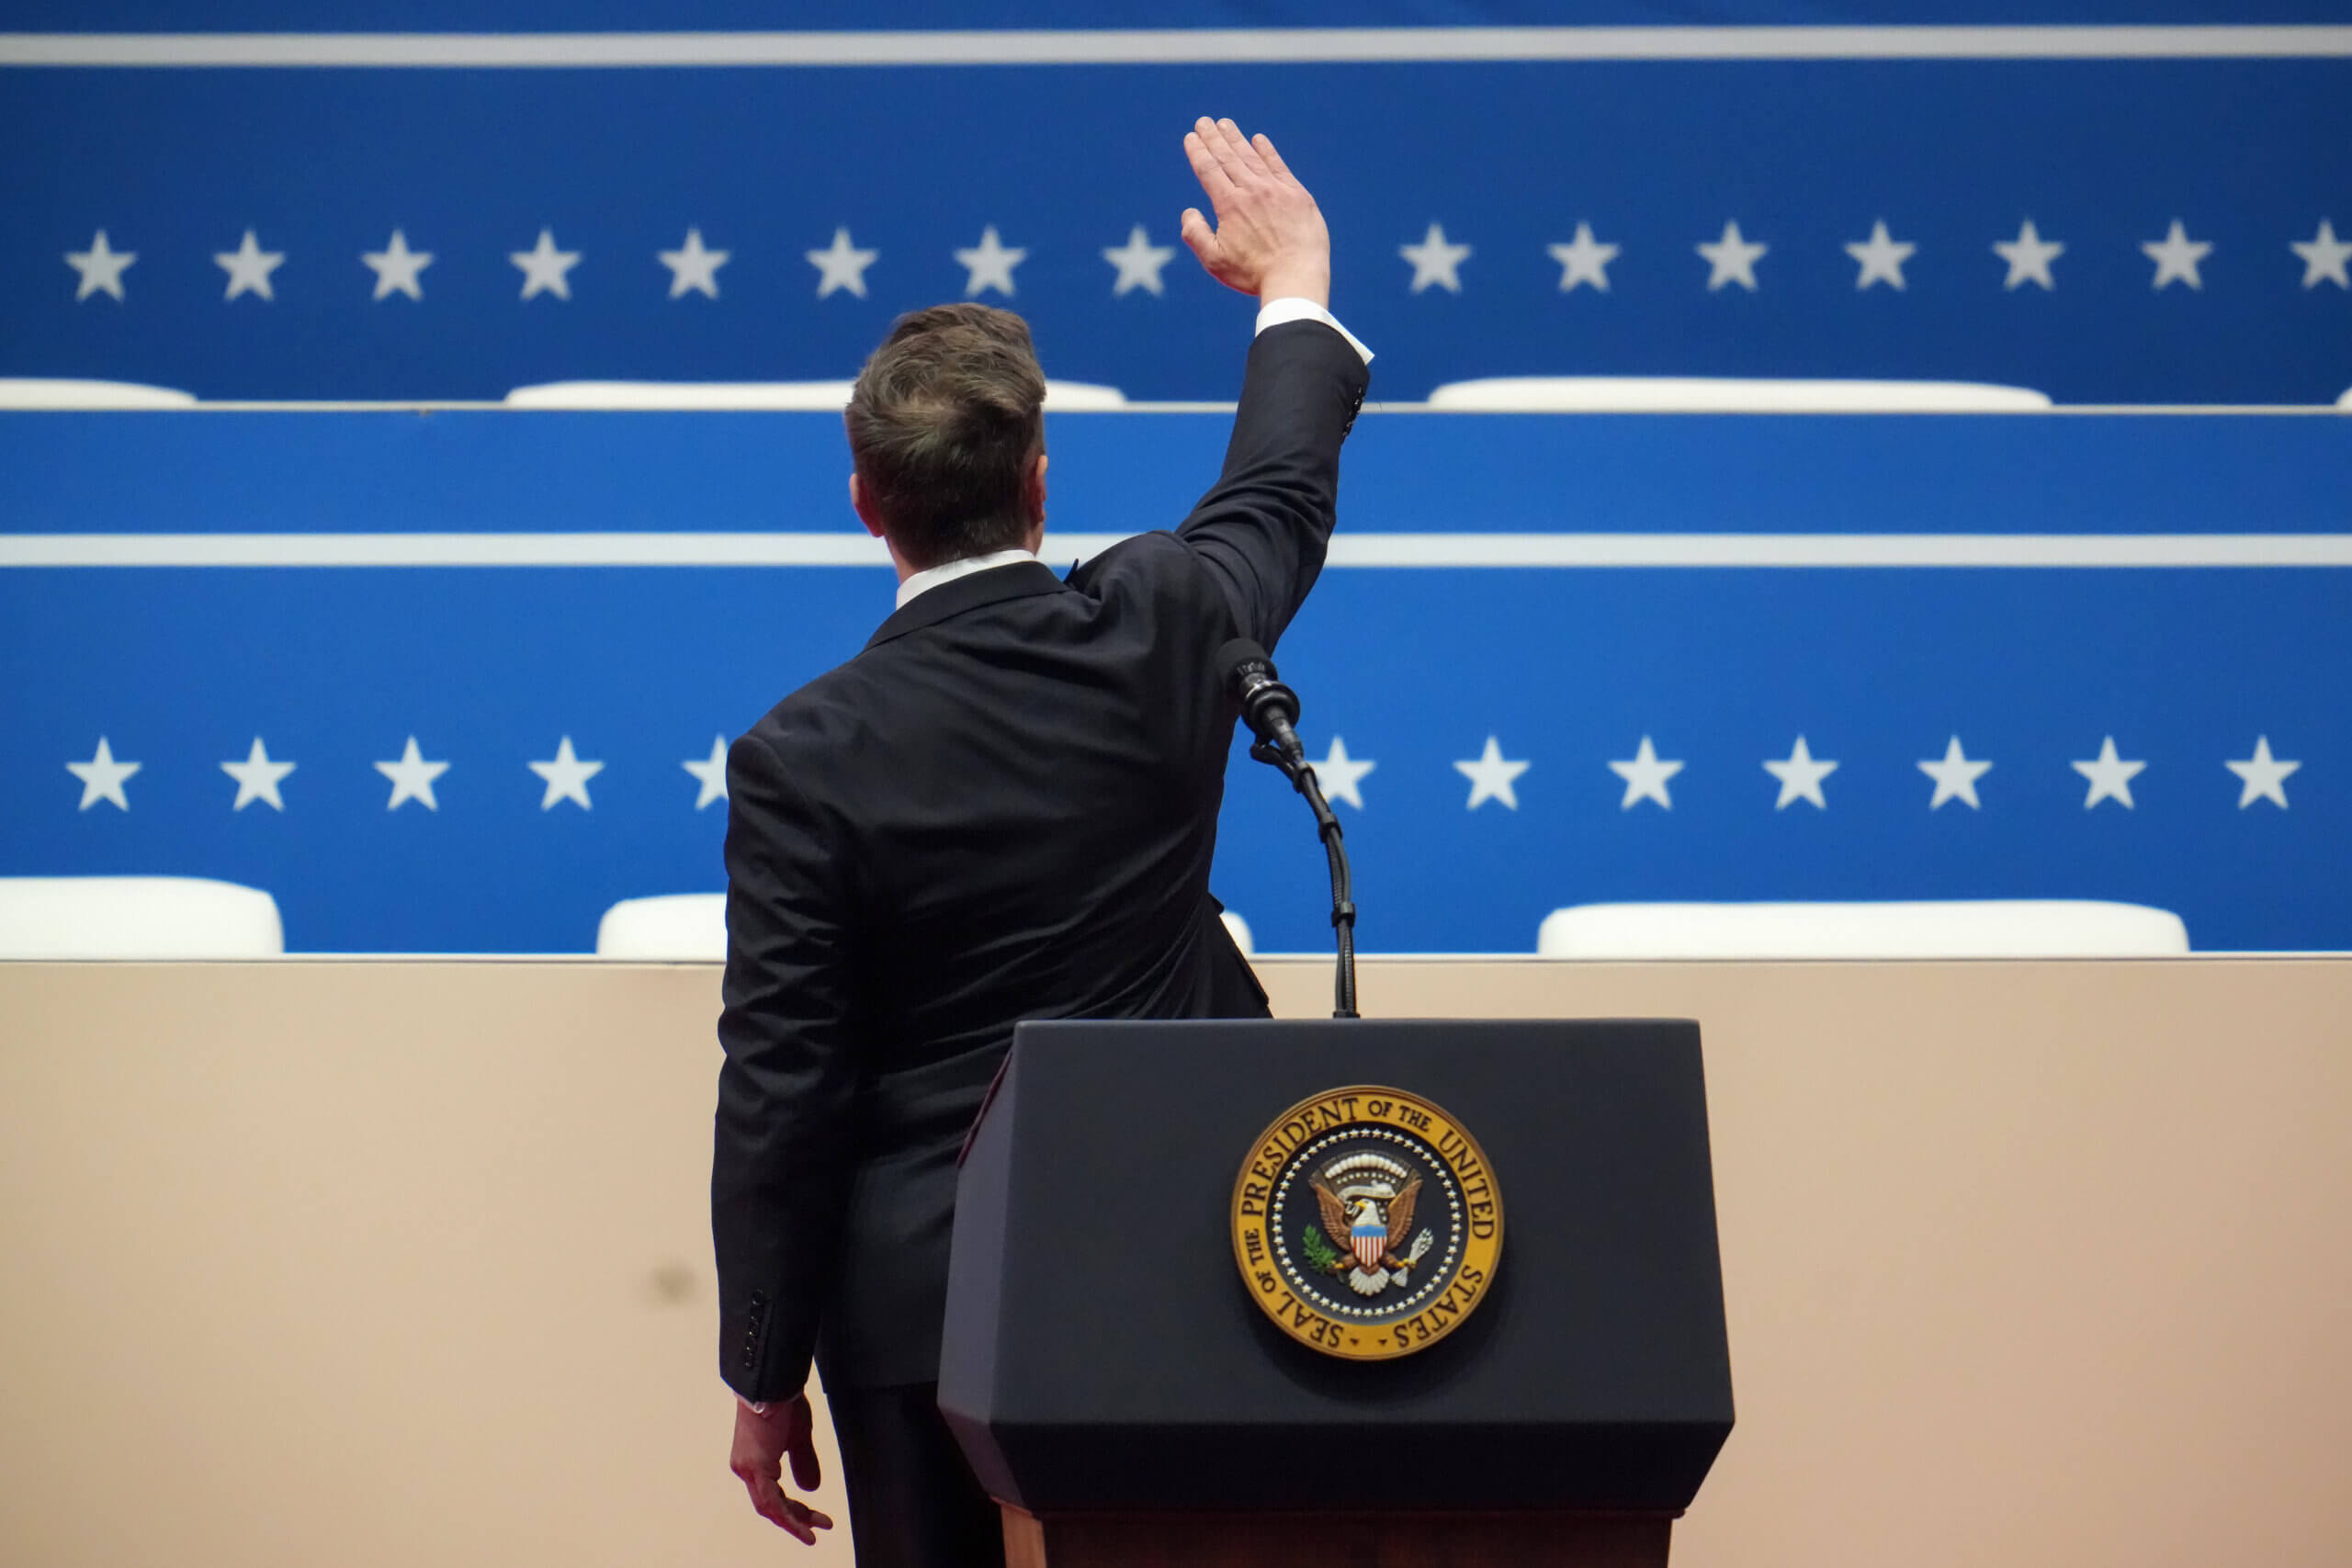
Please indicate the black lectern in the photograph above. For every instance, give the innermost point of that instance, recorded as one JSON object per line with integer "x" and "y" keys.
{"x": 1340, "y": 1292}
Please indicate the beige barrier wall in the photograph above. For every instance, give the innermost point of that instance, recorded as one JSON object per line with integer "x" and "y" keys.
{"x": 406, "y": 1263}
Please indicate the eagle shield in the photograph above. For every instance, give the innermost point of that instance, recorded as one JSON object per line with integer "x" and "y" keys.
{"x": 1369, "y": 1234}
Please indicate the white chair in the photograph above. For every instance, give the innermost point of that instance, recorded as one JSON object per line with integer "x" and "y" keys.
{"x": 54, "y": 392}
{"x": 2019, "y": 928}
{"x": 694, "y": 925}
{"x": 762, "y": 397}
{"x": 681, "y": 926}
{"x": 1240, "y": 930}
{"x": 136, "y": 917}
{"x": 1700, "y": 394}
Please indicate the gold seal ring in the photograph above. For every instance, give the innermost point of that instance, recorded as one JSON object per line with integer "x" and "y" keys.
{"x": 1367, "y": 1223}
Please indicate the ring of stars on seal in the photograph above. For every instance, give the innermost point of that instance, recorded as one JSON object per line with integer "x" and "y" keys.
{"x": 1366, "y": 1223}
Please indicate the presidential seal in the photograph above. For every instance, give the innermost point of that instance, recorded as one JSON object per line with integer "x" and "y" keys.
{"x": 1367, "y": 1223}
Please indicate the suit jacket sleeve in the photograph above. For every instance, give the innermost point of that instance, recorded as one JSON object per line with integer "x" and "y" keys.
{"x": 782, "y": 1159}
{"x": 1262, "y": 530}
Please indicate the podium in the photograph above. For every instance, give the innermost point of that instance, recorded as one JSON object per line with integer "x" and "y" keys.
{"x": 1160, "y": 1350}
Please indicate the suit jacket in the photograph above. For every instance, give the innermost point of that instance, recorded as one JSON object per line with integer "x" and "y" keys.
{"x": 1004, "y": 807}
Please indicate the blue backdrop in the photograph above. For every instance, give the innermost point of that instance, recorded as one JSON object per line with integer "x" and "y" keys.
{"x": 2251, "y": 157}
{"x": 1412, "y": 667}
{"x": 2190, "y": 243}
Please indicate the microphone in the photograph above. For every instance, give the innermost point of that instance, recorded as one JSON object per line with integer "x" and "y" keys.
{"x": 1269, "y": 708}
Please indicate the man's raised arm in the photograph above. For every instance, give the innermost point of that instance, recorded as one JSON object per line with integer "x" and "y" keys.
{"x": 1263, "y": 527}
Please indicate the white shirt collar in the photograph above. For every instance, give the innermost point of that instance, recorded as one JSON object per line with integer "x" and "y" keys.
{"x": 932, "y": 577}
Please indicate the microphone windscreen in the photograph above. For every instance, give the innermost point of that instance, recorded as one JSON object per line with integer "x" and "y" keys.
{"x": 1235, "y": 655}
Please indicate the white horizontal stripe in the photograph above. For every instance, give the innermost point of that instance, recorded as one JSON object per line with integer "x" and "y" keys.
{"x": 1840, "y": 549}
{"x": 442, "y": 550}
{"x": 1170, "y": 46}
{"x": 1396, "y": 550}
{"x": 447, "y": 405}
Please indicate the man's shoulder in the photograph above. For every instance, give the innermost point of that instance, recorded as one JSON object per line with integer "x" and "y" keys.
{"x": 821, "y": 716}
{"x": 1146, "y": 576}
{"x": 1160, "y": 565}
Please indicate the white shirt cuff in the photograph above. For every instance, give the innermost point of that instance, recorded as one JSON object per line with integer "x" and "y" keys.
{"x": 1294, "y": 309}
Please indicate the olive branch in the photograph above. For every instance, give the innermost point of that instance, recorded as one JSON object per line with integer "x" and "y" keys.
{"x": 1319, "y": 1248}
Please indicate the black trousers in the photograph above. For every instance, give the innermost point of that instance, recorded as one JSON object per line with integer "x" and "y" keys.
{"x": 912, "y": 1501}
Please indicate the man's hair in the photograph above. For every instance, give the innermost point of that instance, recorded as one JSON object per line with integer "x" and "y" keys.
{"x": 947, "y": 414}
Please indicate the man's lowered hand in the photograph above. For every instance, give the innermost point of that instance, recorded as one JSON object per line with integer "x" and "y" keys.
{"x": 761, "y": 1444}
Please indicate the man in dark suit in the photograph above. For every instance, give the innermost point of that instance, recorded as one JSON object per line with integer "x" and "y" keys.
{"x": 1004, "y": 807}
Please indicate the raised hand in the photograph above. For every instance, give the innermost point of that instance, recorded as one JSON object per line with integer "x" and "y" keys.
{"x": 1268, "y": 239}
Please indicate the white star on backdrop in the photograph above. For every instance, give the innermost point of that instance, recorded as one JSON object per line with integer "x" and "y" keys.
{"x": 100, "y": 267}
{"x": 396, "y": 267}
{"x": 2324, "y": 257}
{"x": 545, "y": 270}
{"x": 1491, "y": 777}
{"x": 2029, "y": 256}
{"x": 990, "y": 264}
{"x": 567, "y": 776}
{"x": 711, "y": 772}
{"x": 1732, "y": 259}
{"x": 1644, "y": 777}
{"x": 692, "y": 268}
{"x": 1583, "y": 259}
{"x": 411, "y": 778}
{"x": 1799, "y": 777}
{"x": 1955, "y": 776}
{"x": 840, "y": 265}
{"x": 2110, "y": 775}
{"x": 1341, "y": 775}
{"x": 249, "y": 267}
{"x": 102, "y": 778}
{"x": 1882, "y": 258}
{"x": 258, "y": 777}
{"x": 1434, "y": 260}
{"x": 1138, "y": 261}
{"x": 2264, "y": 776}
{"x": 2176, "y": 256}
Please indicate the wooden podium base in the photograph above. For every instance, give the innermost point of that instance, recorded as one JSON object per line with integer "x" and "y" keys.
{"x": 1342, "y": 1540}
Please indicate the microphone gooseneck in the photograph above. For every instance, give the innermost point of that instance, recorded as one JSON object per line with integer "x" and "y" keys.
{"x": 1270, "y": 710}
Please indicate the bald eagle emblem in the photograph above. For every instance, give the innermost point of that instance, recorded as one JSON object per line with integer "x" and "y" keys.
{"x": 1366, "y": 1202}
